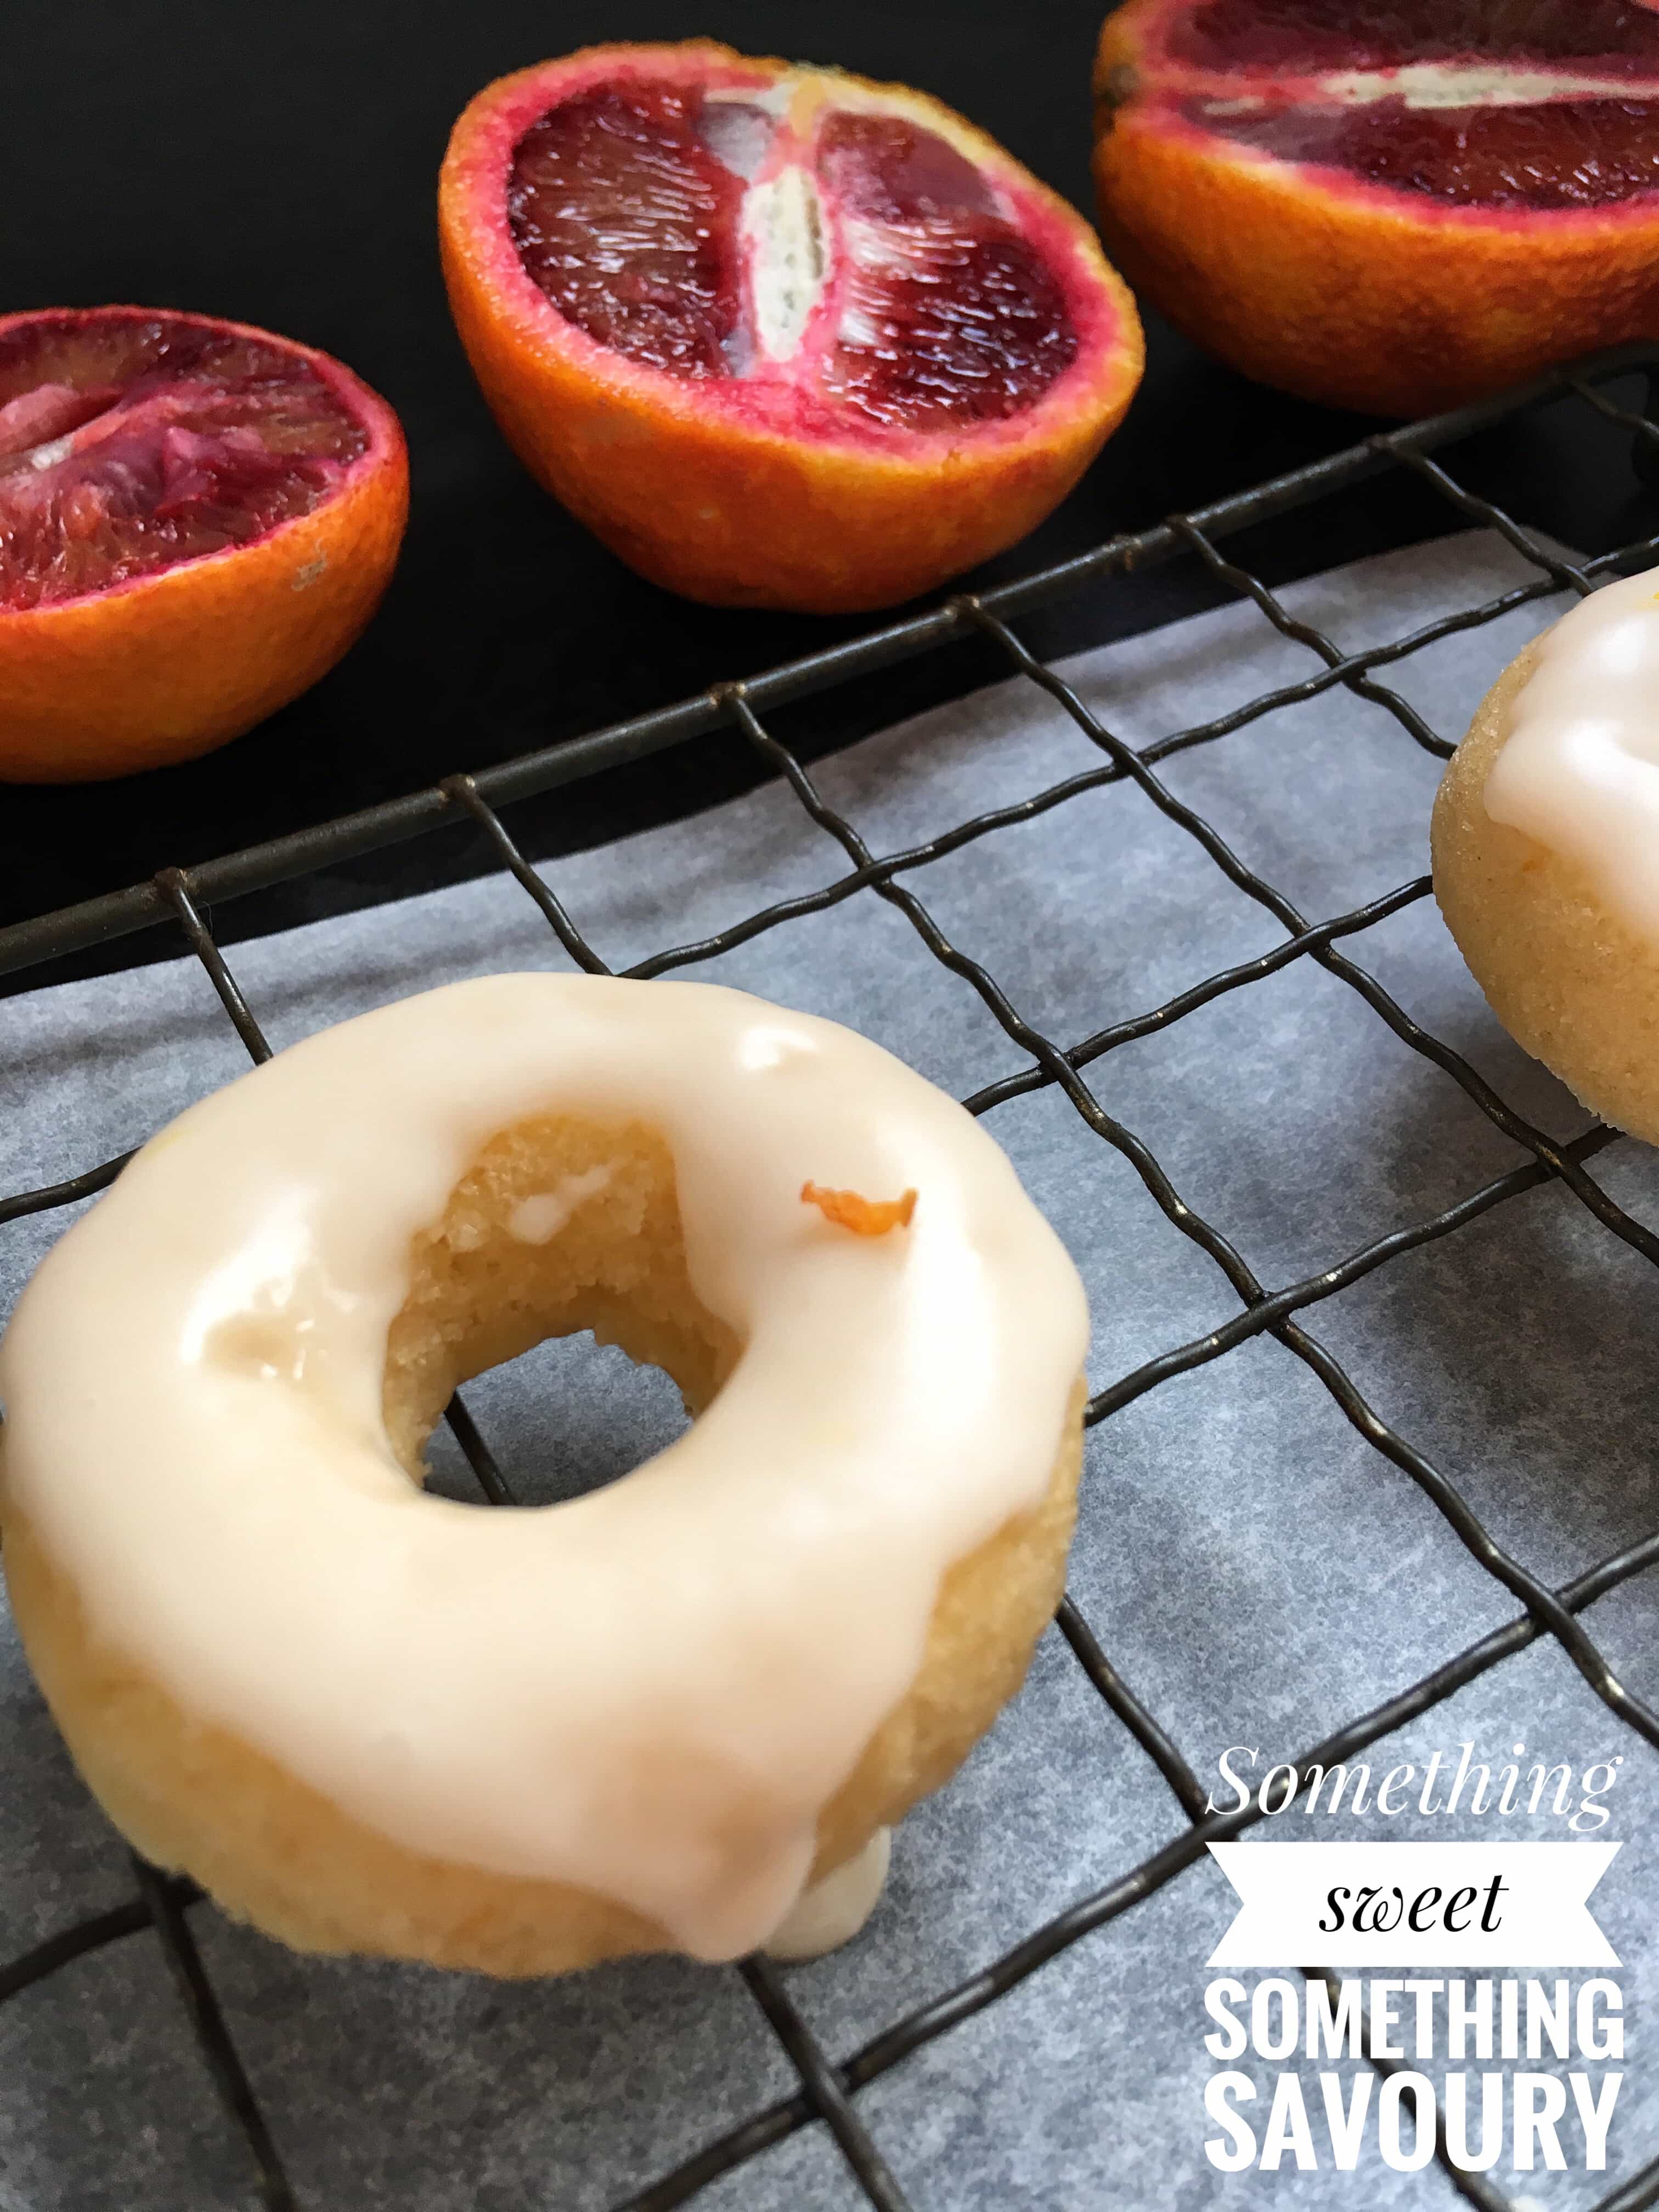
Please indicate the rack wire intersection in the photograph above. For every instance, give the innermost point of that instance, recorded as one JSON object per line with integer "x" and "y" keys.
{"x": 827, "y": 2087}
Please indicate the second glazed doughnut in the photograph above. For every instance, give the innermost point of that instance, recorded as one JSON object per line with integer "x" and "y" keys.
{"x": 1546, "y": 844}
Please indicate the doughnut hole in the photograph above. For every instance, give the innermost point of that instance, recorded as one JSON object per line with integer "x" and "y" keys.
{"x": 1572, "y": 983}
{"x": 561, "y": 1226}
{"x": 270, "y": 1850}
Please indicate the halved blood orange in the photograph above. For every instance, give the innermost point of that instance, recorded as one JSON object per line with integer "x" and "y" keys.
{"x": 780, "y": 336}
{"x": 1393, "y": 204}
{"x": 197, "y": 519}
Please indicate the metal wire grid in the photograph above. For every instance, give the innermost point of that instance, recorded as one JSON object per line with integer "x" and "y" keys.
{"x": 827, "y": 2087}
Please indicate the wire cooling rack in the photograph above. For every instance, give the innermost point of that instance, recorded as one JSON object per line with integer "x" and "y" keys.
{"x": 828, "y": 2090}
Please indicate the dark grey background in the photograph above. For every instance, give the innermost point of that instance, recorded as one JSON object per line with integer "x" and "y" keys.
{"x": 278, "y": 165}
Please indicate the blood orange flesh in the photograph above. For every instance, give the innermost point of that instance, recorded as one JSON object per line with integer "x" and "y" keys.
{"x": 949, "y": 314}
{"x": 1561, "y": 153}
{"x": 874, "y": 267}
{"x": 627, "y": 221}
{"x": 1540, "y": 105}
{"x": 1298, "y": 37}
{"x": 131, "y": 443}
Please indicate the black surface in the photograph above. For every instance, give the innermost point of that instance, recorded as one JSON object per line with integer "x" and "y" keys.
{"x": 279, "y": 166}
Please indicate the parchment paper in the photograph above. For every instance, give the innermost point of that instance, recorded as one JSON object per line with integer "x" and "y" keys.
{"x": 1258, "y": 1573}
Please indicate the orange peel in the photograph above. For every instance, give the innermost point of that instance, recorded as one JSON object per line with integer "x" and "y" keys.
{"x": 865, "y": 1217}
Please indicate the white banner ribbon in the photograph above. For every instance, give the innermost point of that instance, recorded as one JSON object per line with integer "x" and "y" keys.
{"x": 1414, "y": 1905}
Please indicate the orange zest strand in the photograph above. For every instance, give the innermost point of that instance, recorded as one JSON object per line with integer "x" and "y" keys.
{"x": 865, "y": 1217}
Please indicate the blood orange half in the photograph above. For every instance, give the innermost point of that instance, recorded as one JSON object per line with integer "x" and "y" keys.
{"x": 1393, "y": 204}
{"x": 197, "y": 519}
{"x": 780, "y": 336}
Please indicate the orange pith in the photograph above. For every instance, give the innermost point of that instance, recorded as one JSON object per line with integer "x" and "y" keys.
{"x": 1398, "y": 205}
{"x": 733, "y": 404}
{"x": 196, "y": 519}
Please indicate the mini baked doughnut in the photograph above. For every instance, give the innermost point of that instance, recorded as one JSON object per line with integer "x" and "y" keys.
{"x": 367, "y": 1718}
{"x": 1546, "y": 842}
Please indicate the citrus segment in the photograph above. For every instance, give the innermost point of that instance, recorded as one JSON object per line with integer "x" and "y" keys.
{"x": 781, "y": 337}
{"x": 628, "y": 223}
{"x": 947, "y": 313}
{"x": 1399, "y": 205}
{"x": 1568, "y": 153}
{"x": 197, "y": 519}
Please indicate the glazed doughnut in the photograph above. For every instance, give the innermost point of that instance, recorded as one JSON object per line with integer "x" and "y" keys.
{"x": 368, "y": 1718}
{"x": 1546, "y": 842}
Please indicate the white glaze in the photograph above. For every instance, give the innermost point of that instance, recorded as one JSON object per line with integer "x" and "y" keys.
{"x": 833, "y": 1910}
{"x": 1579, "y": 770}
{"x": 651, "y": 1690}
